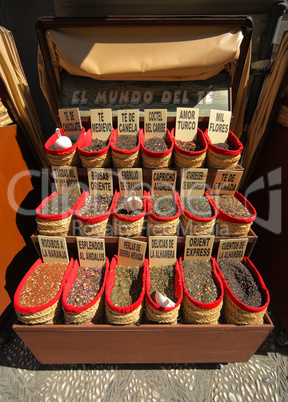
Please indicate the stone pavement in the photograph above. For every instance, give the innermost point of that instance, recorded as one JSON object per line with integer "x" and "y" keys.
{"x": 23, "y": 378}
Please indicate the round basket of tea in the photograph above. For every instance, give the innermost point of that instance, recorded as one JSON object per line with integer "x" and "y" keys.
{"x": 246, "y": 297}
{"x": 224, "y": 155}
{"x": 190, "y": 154}
{"x": 203, "y": 291}
{"x": 124, "y": 293}
{"x": 94, "y": 152}
{"x": 64, "y": 155}
{"x": 235, "y": 214}
{"x": 166, "y": 282}
{"x": 93, "y": 214}
{"x": 83, "y": 294}
{"x": 125, "y": 150}
{"x": 54, "y": 216}
{"x": 156, "y": 152}
{"x": 37, "y": 299}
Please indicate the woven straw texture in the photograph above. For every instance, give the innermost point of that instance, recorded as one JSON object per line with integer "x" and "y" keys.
{"x": 161, "y": 317}
{"x": 126, "y": 160}
{"x": 4, "y": 116}
{"x": 154, "y": 163}
{"x": 196, "y": 315}
{"x": 98, "y": 229}
{"x": 92, "y": 314}
{"x": 235, "y": 315}
{"x": 96, "y": 161}
{"x": 218, "y": 161}
{"x": 188, "y": 161}
{"x": 165, "y": 228}
{"x": 71, "y": 159}
{"x": 126, "y": 228}
{"x": 282, "y": 117}
{"x": 114, "y": 317}
{"x": 50, "y": 315}
{"x": 61, "y": 227}
{"x": 225, "y": 228}
{"x": 193, "y": 227}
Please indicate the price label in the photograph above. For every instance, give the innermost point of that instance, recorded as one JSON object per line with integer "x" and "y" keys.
{"x": 100, "y": 181}
{"x": 130, "y": 179}
{"x": 53, "y": 249}
{"x": 101, "y": 123}
{"x": 163, "y": 181}
{"x": 218, "y": 126}
{"x": 162, "y": 250}
{"x": 226, "y": 182}
{"x": 66, "y": 179}
{"x": 131, "y": 253}
{"x": 193, "y": 182}
{"x": 128, "y": 121}
{"x": 155, "y": 123}
{"x": 198, "y": 247}
{"x": 186, "y": 124}
{"x": 70, "y": 121}
{"x": 91, "y": 252}
{"x": 234, "y": 249}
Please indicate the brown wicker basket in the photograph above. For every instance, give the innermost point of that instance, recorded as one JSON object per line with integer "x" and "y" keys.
{"x": 94, "y": 159}
{"x": 190, "y": 159}
{"x": 125, "y": 158}
{"x": 157, "y": 160}
{"x": 158, "y": 226}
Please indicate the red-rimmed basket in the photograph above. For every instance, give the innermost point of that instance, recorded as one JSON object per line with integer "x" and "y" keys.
{"x": 47, "y": 313}
{"x": 164, "y": 315}
{"x": 90, "y": 312}
{"x": 124, "y": 158}
{"x": 154, "y": 160}
{"x": 218, "y": 158}
{"x": 129, "y": 225}
{"x": 189, "y": 159}
{"x": 63, "y": 157}
{"x": 123, "y": 315}
{"x": 98, "y": 225}
{"x": 230, "y": 226}
{"x": 55, "y": 225}
{"x": 163, "y": 226}
{"x": 195, "y": 312}
{"x": 94, "y": 159}
{"x": 234, "y": 311}
{"x": 195, "y": 225}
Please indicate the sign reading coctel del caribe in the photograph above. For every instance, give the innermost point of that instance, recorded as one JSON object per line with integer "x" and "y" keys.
{"x": 87, "y": 93}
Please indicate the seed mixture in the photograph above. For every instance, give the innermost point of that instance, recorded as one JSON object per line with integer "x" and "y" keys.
{"x": 241, "y": 282}
{"x": 96, "y": 205}
{"x": 155, "y": 144}
{"x": 96, "y": 145}
{"x": 128, "y": 285}
{"x": 60, "y": 203}
{"x": 192, "y": 146}
{"x": 120, "y": 209}
{"x": 198, "y": 206}
{"x": 199, "y": 280}
{"x": 164, "y": 205}
{"x": 163, "y": 279}
{"x": 73, "y": 138}
{"x": 230, "y": 205}
{"x": 42, "y": 285}
{"x": 126, "y": 142}
{"x": 87, "y": 285}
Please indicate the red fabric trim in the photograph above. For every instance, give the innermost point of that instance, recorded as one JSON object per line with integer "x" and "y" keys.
{"x": 198, "y": 218}
{"x": 122, "y": 151}
{"x": 266, "y": 297}
{"x": 111, "y": 282}
{"x": 66, "y": 151}
{"x": 57, "y": 216}
{"x": 71, "y": 280}
{"x": 164, "y": 219}
{"x": 156, "y": 155}
{"x": 31, "y": 310}
{"x": 86, "y": 141}
{"x": 218, "y": 281}
{"x": 178, "y": 289}
{"x": 228, "y": 218}
{"x": 130, "y": 218}
{"x": 97, "y": 218}
{"x": 231, "y": 138}
{"x": 200, "y": 136}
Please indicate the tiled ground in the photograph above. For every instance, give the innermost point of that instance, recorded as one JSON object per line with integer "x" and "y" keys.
{"x": 23, "y": 378}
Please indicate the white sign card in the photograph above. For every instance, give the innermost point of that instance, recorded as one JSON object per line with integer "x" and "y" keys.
{"x": 128, "y": 121}
{"x": 226, "y": 181}
{"x": 162, "y": 250}
{"x": 70, "y": 121}
{"x": 163, "y": 181}
{"x": 53, "y": 249}
{"x": 131, "y": 253}
{"x": 100, "y": 181}
{"x": 232, "y": 248}
{"x": 155, "y": 123}
{"x": 130, "y": 179}
{"x": 91, "y": 252}
{"x": 101, "y": 123}
{"x": 193, "y": 182}
{"x": 66, "y": 179}
{"x": 186, "y": 123}
{"x": 218, "y": 126}
{"x": 198, "y": 247}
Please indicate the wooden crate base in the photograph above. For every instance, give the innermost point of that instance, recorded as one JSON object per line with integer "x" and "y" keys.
{"x": 181, "y": 343}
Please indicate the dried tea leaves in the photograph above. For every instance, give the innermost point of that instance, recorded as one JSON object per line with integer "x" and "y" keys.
{"x": 230, "y": 205}
{"x": 59, "y": 204}
{"x": 120, "y": 208}
{"x": 96, "y": 205}
{"x": 128, "y": 285}
{"x": 192, "y": 146}
{"x": 162, "y": 279}
{"x": 126, "y": 142}
{"x": 164, "y": 205}
{"x": 156, "y": 144}
{"x": 198, "y": 206}
{"x": 225, "y": 145}
{"x": 96, "y": 145}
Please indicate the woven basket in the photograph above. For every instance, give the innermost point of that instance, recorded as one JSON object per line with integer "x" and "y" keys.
{"x": 235, "y": 312}
{"x": 94, "y": 159}
{"x": 117, "y": 318}
{"x": 195, "y": 312}
{"x": 190, "y": 159}
{"x": 50, "y": 315}
{"x": 218, "y": 158}
{"x": 158, "y": 226}
{"x": 156, "y": 160}
{"x": 92, "y": 314}
{"x": 123, "y": 158}
{"x": 4, "y": 116}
